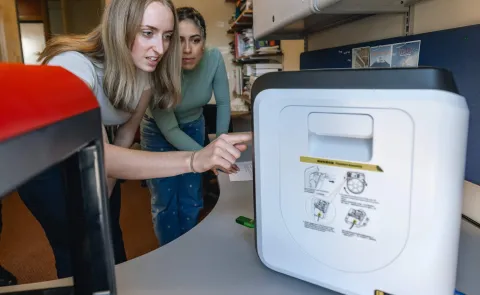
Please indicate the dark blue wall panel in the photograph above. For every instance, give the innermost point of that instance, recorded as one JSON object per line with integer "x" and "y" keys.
{"x": 457, "y": 50}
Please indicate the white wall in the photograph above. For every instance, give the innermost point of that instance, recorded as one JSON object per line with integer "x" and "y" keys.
{"x": 291, "y": 54}
{"x": 33, "y": 41}
{"x": 83, "y": 15}
{"x": 55, "y": 17}
{"x": 428, "y": 16}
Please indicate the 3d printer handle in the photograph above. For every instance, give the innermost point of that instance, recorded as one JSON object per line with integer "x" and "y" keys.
{"x": 341, "y": 125}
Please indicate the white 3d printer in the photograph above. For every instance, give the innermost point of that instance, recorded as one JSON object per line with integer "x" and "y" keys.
{"x": 358, "y": 178}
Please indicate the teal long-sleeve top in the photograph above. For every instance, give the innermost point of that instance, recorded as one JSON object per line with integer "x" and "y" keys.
{"x": 208, "y": 76}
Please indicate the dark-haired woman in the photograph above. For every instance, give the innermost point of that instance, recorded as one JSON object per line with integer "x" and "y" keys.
{"x": 177, "y": 201}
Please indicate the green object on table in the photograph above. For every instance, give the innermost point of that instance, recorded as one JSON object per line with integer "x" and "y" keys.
{"x": 248, "y": 222}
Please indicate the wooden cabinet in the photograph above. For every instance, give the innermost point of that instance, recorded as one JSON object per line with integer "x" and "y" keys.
{"x": 34, "y": 11}
{"x": 11, "y": 50}
{"x": 31, "y": 10}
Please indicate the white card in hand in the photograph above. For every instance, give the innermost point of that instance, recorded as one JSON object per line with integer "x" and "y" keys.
{"x": 245, "y": 173}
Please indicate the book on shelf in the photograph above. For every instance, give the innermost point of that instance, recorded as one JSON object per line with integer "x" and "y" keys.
{"x": 244, "y": 45}
{"x": 252, "y": 58}
{"x": 261, "y": 68}
{"x": 241, "y": 6}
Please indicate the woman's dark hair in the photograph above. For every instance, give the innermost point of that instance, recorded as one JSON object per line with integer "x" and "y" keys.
{"x": 192, "y": 14}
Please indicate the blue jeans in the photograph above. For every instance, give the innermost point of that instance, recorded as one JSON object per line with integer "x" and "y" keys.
{"x": 177, "y": 200}
{"x": 45, "y": 197}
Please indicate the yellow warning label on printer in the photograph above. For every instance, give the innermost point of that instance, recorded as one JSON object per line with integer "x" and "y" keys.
{"x": 344, "y": 164}
{"x": 381, "y": 293}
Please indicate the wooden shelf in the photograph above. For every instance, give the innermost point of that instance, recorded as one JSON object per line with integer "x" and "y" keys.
{"x": 246, "y": 98}
{"x": 260, "y": 56}
{"x": 244, "y": 20}
{"x": 256, "y": 57}
{"x": 239, "y": 114}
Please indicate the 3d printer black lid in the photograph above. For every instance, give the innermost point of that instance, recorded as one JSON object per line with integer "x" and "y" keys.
{"x": 368, "y": 78}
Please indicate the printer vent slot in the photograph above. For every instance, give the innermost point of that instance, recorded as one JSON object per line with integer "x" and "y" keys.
{"x": 346, "y": 137}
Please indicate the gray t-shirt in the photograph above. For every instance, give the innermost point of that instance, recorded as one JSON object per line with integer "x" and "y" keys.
{"x": 92, "y": 73}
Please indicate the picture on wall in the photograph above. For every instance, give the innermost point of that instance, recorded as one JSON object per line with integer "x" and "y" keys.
{"x": 381, "y": 56}
{"x": 406, "y": 54}
{"x": 361, "y": 57}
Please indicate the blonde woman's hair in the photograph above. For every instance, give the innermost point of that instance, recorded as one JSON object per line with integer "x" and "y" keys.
{"x": 110, "y": 43}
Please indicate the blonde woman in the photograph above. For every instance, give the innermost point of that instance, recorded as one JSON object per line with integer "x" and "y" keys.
{"x": 130, "y": 61}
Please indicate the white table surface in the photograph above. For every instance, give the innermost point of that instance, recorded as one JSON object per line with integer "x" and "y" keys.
{"x": 218, "y": 257}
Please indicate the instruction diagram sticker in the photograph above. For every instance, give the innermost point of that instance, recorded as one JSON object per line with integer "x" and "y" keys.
{"x": 356, "y": 218}
{"x": 337, "y": 197}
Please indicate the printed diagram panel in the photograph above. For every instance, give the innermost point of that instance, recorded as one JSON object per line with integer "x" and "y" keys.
{"x": 357, "y": 218}
{"x": 320, "y": 210}
{"x": 324, "y": 188}
{"x": 314, "y": 179}
{"x": 337, "y": 201}
{"x": 356, "y": 183}
{"x": 321, "y": 183}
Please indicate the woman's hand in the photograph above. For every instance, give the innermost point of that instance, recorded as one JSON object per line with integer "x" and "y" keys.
{"x": 222, "y": 153}
{"x": 234, "y": 169}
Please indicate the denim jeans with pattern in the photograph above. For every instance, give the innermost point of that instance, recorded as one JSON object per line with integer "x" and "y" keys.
{"x": 176, "y": 201}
